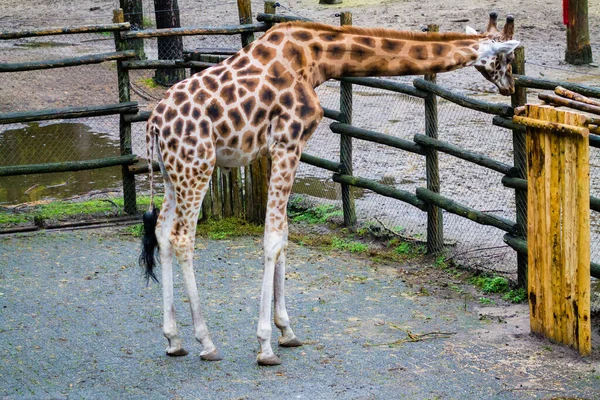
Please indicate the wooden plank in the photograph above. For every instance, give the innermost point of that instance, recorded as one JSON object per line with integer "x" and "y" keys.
{"x": 67, "y": 62}
{"x": 189, "y": 31}
{"x": 68, "y": 113}
{"x": 577, "y": 105}
{"x": 561, "y": 91}
{"x": 462, "y": 100}
{"x": 471, "y": 156}
{"x": 536, "y": 83}
{"x": 535, "y": 170}
{"x": 376, "y": 137}
{"x": 64, "y": 30}
{"x": 582, "y": 238}
{"x": 466, "y": 212}
{"x": 553, "y": 126}
{"x": 386, "y": 84}
{"x": 559, "y": 185}
{"x": 381, "y": 189}
{"x": 166, "y": 64}
{"x": 67, "y": 166}
{"x": 520, "y": 246}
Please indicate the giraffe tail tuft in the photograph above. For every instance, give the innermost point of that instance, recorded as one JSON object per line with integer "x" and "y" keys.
{"x": 148, "y": 258}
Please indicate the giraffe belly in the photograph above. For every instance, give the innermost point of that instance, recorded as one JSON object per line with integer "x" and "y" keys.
{"x": 233, "y": 158}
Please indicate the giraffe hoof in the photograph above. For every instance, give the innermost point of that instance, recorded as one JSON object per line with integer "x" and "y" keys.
{"x": 177, "y": 353}
{"x": 212, "y": 356}
{"x": 294, "y": 342}
{"x": 269, "y": 360}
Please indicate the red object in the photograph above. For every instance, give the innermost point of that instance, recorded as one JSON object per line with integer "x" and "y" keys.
{"x": 566, "y": 12}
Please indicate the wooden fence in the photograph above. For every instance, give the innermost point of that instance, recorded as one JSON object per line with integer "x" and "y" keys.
{"x": 243, "y": 192}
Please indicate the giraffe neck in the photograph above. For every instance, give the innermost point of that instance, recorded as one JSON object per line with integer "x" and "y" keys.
{"x": 408, "y": 57}
{"x": 330, "y": 52}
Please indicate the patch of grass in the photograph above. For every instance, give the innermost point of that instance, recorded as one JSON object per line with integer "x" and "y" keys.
{"x": 487, "y": 284}
{"x": 312, "y": 215}
{"x": 344, "y": 244}
{"x": 148, "y": 82}
{"x": 485, "y": 301}
{"x": 403, "y": 248}
{"x": 227, "y": 228}
{"x": 441, "y": 262}
{"x": 10, "y": 218}
{"x": 516, "y": 296}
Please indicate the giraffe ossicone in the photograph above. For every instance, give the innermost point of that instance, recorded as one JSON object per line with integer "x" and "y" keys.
{"x": 261, "y": 101}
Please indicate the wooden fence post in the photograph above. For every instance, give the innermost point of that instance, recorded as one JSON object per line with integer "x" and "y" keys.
{"x": 519, "y": 98}
{"x": 129, "y": 192}
{"x": 578, "y": 50}
{"x": 348, "y": 205}
{"x": 558, "y": 225}
{"x": 255, "y": 175}
{"x": 435, "y": 219}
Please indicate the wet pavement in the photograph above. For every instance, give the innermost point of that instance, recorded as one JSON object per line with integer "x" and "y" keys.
{"x": 78, "y": 321}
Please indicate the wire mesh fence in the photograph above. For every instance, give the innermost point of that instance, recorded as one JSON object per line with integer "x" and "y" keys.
{"x": 390, "y": 113}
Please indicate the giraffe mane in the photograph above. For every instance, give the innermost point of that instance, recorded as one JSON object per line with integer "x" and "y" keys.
{"x": 384, "y": 32}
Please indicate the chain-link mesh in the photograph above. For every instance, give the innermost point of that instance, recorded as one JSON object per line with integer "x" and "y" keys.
{"x": 391, "y": 113}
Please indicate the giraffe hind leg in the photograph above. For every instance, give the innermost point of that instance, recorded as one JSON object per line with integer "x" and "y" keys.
{"x": 182, "y": 237}
{"x": 163, "y": 229}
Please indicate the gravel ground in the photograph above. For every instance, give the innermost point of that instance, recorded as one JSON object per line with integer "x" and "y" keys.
{"x": 77, "y": 321}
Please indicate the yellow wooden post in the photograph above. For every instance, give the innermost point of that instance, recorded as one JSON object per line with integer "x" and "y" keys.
{"x": 558, "y": 225}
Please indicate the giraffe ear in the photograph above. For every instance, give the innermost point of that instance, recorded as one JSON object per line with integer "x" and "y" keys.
{"x": 505, "y": 47}
{"x": 470, "y": 31}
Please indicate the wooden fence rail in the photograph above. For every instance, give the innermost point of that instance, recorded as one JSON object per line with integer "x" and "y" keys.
{"x": 65, "y": 31}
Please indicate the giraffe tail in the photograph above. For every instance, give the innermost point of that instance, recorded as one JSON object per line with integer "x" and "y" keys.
{"x": 149, "y": 244}
{"x": 148, "y": 257}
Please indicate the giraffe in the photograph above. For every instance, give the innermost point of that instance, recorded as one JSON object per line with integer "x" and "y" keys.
{"x": 261, "y": 101}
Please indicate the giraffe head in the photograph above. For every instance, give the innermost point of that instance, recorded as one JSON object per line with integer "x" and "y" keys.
{"x": 496, "y": 53}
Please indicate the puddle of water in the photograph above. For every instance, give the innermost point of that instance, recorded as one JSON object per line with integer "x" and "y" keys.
{"x": 38, "y": 144}
{"x": 324, "y": 189}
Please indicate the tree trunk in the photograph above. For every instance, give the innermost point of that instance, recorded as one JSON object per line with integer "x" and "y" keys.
{"x": 169, "y": 48}
{"x": 579, "y": 50}
{"x": 135, "y": 16}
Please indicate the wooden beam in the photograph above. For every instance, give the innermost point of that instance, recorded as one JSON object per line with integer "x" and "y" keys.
{"x": 466, "y": 212}
{"x": 166, "y": 64}
{"x": 386, "y": 85}
{"x": 67, "y": 62}
{"x": 63, "y": 31}
{"x": 67, "y": 166}
{"x": 68, "y": 113}
{"x": 376, "y": 137}
{"x": 188, "y": 31}
{"x": 471, "y": 156}
{"x": 381, "y": 189}
{"x": 536, "y": 83}
{"x": 462, "y": 100}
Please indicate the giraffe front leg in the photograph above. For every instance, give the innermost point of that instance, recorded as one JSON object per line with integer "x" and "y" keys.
{"x": 282, "y": 320}
{"x": 272, "y": 248}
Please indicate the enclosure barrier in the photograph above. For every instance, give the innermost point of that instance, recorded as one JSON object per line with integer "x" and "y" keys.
{"x": 559, "y": 225}
{"x": 232, "y": 195}
{"x": 68, "y": 112}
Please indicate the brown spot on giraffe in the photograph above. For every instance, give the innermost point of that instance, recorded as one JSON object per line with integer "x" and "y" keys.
{"x": 228, "y": 94}
{"x": 419, "y": 52}
{"x": 279, "y": 77}
{"x": 263, "y": 54}
{"x": 266, "y": 95}
{"x": 295, "y": 54}
{"x": 210, "y": 83}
